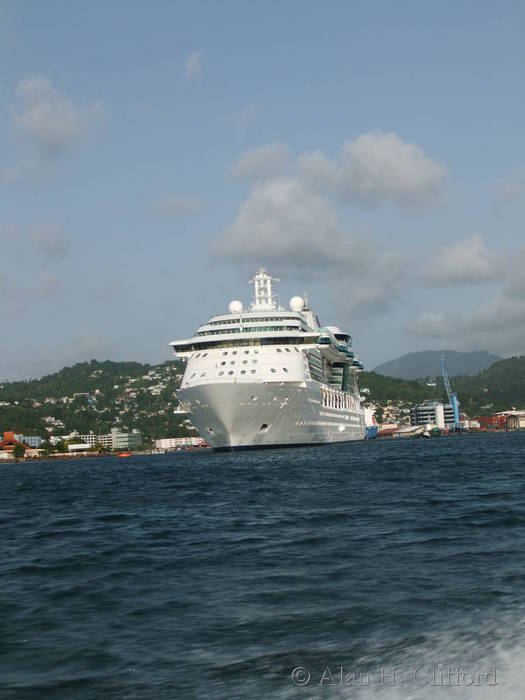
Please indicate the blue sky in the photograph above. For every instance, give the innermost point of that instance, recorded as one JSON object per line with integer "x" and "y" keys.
{"x": 154, "y": 154}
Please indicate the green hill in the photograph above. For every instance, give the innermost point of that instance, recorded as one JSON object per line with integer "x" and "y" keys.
{"x": 95, "y": 396}
{"x": 498, "y": 388}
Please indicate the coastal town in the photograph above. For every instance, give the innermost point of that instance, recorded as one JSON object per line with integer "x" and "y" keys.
{"x": 101, "y": 408}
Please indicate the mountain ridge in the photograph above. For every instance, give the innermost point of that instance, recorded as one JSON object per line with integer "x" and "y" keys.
{"x": 427, "y": 363}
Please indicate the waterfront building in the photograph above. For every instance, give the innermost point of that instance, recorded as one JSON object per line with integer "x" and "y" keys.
{"x": 433, "y": 412}
{"x": 31, "y": 440}
{"x": 516, "y": 421}
{"x": 180, "y": 442}
{"x": 125, "y": 441}
{"x": 115, "y": 440}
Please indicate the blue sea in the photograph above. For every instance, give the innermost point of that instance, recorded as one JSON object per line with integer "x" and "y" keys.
{"x": 390, "y": 569}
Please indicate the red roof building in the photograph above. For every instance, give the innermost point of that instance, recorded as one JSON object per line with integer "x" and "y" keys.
{"x": 9, "y": 442}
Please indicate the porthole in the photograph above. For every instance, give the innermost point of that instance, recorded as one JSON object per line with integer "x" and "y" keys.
{"x": 243, "y": 371}
{"x": 232, "y": 362}
{"x": 273, "y": 370}
{"x": 234, "y": 352}
{"x": 263, "y": 428}
{"x": 197, "y": 355}
{"x": 225, "y": 352}
{"x": 223, "y": 362}
{"x": 287, "y": 349}
{"x": 205, "y": 354}
{"x": 193, "y": 375}
{"x": 245, "y": 362}
{"x": 246, "y": 352}
{"x": 220, "y": 374}
{"x": 203, "y": 374}
{"x": 230, "y": 372}
{"x": 210, "y": 430}
{"x": 254, "y": 361}
{"x": 253, "y": 371}
{"x": 285, "y": 369}
{"x": 278, "y": 349}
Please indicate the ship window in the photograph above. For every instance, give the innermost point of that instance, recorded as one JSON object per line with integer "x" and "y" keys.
{"x": 263, "y": 428}
{"x": 204, "y": 354}
{"x": 234, "y": 352}
{"x": 220, "y": 374}
{"x": 246, "y": 352}
{"x": 245, "y": 362}
{"x": 193, "y": 375}
{"x": 223, "y": 362}
{"x": 243, "y": 371}
{"x": 278, "y": 349}
{"x": 253, "y": 371}
{"x": 296, "y": 349}
{"x": 253, "y": 398}
{"x": 197, "y": 355}
{"x": 203, "y": 374}
{"x": 285, "y": 369}
{"x": 232, "y": 362}
{"x": 256, "y": 352}
{"x": 230, "y": 372}
{"x": 210, "y": 431}
{"x": 273, "y": 370}
{"x": 225, "y": 353}
{"x": 287, "y": 349}
{"x": 254, "y": 361}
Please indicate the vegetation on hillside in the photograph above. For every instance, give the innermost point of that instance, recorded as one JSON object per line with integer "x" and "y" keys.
{"x": 96, "y": 396}
{"x": 498, "y": 388}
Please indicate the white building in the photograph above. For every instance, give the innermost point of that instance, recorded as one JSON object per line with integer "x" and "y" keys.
{"x": 434, "y": 413}
{"x": 180, "y": 442}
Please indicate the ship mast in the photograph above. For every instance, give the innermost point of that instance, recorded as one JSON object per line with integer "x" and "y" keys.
{"x": 264, "y": 297}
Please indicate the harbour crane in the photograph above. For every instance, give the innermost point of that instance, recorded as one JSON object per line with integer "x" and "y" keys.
{"x": 452, "y": 398}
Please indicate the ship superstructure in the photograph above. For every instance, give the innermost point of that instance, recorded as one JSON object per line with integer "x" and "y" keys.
{"x": 270, "y": 376}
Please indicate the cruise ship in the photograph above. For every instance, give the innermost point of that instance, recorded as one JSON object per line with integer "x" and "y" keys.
{"x": 270, "y": 376}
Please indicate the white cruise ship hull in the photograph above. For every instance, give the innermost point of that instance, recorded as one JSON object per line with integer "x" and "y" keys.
{"x": 231, "y": 416}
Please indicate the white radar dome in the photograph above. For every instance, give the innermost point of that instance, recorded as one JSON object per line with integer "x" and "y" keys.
{"x": 297, "y": 304}
{"x": 235, "y": 307}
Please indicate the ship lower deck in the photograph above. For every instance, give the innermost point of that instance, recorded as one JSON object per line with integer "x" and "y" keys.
{"x": 236, "y": 416}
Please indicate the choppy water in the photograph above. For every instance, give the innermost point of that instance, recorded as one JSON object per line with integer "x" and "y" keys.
{"x": 214, "y": 576}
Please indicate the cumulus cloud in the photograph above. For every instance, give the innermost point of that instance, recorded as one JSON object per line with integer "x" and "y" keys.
{"x": 284, "y": 223}
{"x": 178, "y": 204}
{"x": 376, "y": 167}
{"x": 280, "y": 219}
{"x": 498, "y": 324}
{"x": 193, "y": 65}
{"x": 466, "y": 262}
{"x": 261, "y": 163}
{"x": 53, "y": 122}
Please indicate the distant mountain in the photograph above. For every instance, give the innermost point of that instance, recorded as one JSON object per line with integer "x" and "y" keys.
{"x": 427, "y": 363}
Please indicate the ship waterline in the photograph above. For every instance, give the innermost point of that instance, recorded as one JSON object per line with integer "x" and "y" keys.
{"x": 270, "y": 376}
